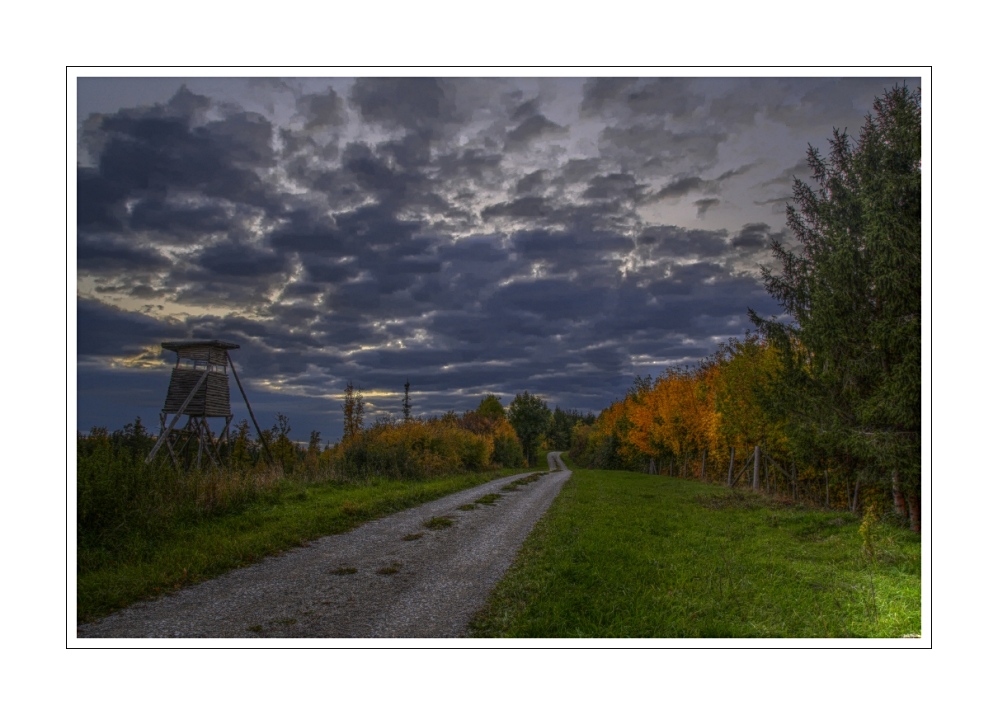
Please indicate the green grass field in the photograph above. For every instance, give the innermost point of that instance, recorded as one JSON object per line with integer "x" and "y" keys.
{"x": 626, "y": 555}
{"x": 146, "y": 565}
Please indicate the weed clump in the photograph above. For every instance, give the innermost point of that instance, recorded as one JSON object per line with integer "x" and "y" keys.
{"x": 867, "y": 531}
{"x": 438, "y": 522}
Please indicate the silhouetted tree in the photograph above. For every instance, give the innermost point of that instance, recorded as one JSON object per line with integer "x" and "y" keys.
{"x": 353, "y": 413}
{"x": 530, "y": 417}
{"x": 491, "y": 407}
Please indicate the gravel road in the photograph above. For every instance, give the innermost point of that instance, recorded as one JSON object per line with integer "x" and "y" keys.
{"x": 366, "y": 583}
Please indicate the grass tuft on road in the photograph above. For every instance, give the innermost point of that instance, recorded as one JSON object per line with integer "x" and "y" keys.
{"x": 626, "y": 555}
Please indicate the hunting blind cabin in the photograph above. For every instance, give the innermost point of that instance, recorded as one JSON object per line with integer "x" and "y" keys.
{"x": 199, "y": 389}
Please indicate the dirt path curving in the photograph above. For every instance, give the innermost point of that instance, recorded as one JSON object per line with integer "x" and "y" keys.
{"x": 371, "y": 582}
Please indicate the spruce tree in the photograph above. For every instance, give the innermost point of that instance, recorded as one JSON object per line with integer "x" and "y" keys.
{"x": 851, "y": 371}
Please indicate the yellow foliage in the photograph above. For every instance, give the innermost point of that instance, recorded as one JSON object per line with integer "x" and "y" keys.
{"x": 415, "y": 449}
{"x": 686, "y": 412}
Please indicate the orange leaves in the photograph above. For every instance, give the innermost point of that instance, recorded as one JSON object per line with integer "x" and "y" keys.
{"x": 687, "y": 411}
{"x": 676, "y": 416}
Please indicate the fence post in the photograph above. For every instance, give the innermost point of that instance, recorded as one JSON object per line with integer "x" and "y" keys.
{"x": 703, "y": 467}
{"x": 731, "y": 467}
{"x": 755, "y": 470}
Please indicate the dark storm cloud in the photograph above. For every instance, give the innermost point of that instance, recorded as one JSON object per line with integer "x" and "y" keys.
{"x": 372, "y": 173}
{"x": 182, "y": 219}
{"x": 652, "y": 146}
{"x": 98, "y": 201}
{"x": 753, "y": 236}
{"x": 324, "y": 271}
{"x": 196, "y": 287}
{"x": 735, "y": 172}
{"x": 102, "y": 255}
{"x": 678, "y": 242}
{"x": 532, "y": 182}
{"x": 689, "y": 184}
{"x": 620, "y": 186}
{"x": 526, "y": 207}
{"x": 355, "y": 234}
{"x": 568, "y": 248}
{"x": 103, "y": 330}
{"x": 414, "y": 103}
{"x": 474, "y": 165}
{"x": 532, "y": 129}
{"x": 676, "y": 97}
{"x": 236, "y": 259}
{"x": 150, "y": 159}
{"x": 477, "y": 249}
{"x": 703, "y": 205}
{"x": 551, "y": 299}
{"x": 839, "y": 101}
{"x": 579, "y": 170}
{"x": 603, "y": 92}
{"x": 326, "y": 109}
{"x": 680, "y": 187}
{"x": 154, "y": 153}
{"x": 777, "y": 205}
{"x": 526, "y": 110}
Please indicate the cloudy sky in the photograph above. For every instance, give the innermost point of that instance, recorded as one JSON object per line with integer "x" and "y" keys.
{"x": 469, "y": 235}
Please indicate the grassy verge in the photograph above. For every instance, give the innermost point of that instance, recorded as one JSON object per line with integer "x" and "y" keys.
{"x": 621, "y": 554}
{"x": 186, "y": 552}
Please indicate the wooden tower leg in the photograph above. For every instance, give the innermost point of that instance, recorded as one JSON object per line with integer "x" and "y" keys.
{"x": 186, "y": 434}
{"x": 211, "y": 449}
{"x": 259, "y": 434}
{"x": 200, "y": 434}
{"x": 176, "y": 417}
{"x": 173, "y": 456}
{"x": 228, "y": 421}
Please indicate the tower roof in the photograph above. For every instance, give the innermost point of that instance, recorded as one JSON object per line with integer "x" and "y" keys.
{"x": 176, "y": 345}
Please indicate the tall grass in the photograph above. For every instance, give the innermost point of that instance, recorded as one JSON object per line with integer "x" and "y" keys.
{"x": 145, "y": 528}
{"x": 120, "y": 498}
{"x": 622, "y": 555}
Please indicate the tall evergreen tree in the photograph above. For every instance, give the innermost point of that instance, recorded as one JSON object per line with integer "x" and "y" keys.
{"x": 851, "y": 371}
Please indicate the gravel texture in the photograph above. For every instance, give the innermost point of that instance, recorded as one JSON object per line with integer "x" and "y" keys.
{"x": 366, "y": 583}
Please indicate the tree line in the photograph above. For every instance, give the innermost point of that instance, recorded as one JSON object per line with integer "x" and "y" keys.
{"x": 831, "y": 391}
{"x": 120, "y": 495}
{"x": 491, "y": 435}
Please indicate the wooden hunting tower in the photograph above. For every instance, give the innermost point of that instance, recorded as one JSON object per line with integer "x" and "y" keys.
{"x": 199, "y": 389}
{"x": 200, "y": 374}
